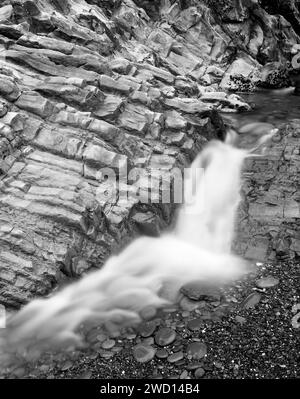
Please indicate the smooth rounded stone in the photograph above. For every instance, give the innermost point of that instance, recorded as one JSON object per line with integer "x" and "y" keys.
{"x": 110, "y": 343}
{"x": 101, "y": 337}
{"x": 184, "y": 375}
{"x": 188, "y": 304}
{"x": 107, "y": 355}
{"x": 170, "y": 309}
{"x": 67, "y": 365}
{"x": 130, "y": 336}
{"x": 147, "y": 329}
{"x": 148, "y": 341}
{"x": 267, "y": 282}
{"x": 251, "y": 301}
{"x": 197, "y": 291}
{"x": 148, "y": 313}
{"x": 143, "y": 353}
{"x": 197, "y": 350}
{"x": 162, "y": 354}
{"x": 175, "y": 357}
{"x": 93, "y": 356}
{"x": 185, "y": 314}
{"x": 165, "y": 336}
{"x": 194, "y": 366}
{"x": 195, "y": 324}
{"x": 117, "y": 349}
{"x": 199, "y": 373}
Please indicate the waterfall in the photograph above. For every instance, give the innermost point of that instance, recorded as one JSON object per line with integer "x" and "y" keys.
{"x": 150, "y": 271}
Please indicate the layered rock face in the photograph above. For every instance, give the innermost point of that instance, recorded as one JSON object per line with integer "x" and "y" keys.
{"x": 270, "y": 211}
{"x": 87, "y": 85}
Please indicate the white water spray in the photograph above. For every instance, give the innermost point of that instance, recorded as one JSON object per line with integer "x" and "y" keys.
{"x": 150, "y": 271}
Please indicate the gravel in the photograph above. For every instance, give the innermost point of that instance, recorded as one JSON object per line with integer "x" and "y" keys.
{"x": 225, "y": 339}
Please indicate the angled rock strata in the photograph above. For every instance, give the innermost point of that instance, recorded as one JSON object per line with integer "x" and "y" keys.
{"x": 88, "y": 85}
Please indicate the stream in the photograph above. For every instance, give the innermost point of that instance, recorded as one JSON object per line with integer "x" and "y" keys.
{"x": 270, "y": 106}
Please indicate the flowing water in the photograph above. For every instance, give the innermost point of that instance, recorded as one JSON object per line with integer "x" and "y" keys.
{"x": 270, "y": 106}
{"x": 151, "y": 271}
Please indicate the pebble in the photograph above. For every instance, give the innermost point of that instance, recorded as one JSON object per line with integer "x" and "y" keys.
{"x": 93, "y": 356}
{"x": 143, "y": 353}
{"x": 66, "y": 366}
{"x": 195, "y": 324}
{"x": 194, "y": 366}
{"x": 130, "y": 336}
{"x": 108, "y": 344}
{"x": 296, "y": 321}
{"x": 188, "y": 304}
{"x": 184, "y": 375}
{"x": 175, "y": 357}
{"x": 148, "y": 313}
{"x": 162, "y": 354}
{"x": 165, "y": 336}
{"x": 85, "y": 376}
{"x": 107, "y": 355}
{"x": 267, "y": 282}
{"x": 101, "y": 337}
{"x": 199, "y": 373}
{"x": 197, "y": 350}
{"x": 147, "y": 329}
{"x": 251, "y": 301}
{"x": 198, "y": 291}
{"x": 148, "y": 341}
{"x": 117, "y": 349}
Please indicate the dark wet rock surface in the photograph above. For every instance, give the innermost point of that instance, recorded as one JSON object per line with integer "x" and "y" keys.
{"x": 242, "y": 342}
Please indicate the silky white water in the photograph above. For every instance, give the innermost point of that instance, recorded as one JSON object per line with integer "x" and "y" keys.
{"x": 150, "y": 271}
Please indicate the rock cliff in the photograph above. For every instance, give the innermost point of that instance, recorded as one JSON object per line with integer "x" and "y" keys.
{"x": 87, "y": 85}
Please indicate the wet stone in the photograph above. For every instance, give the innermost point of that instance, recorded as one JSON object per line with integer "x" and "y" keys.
{"x": 143, "y": 353}
{"x": 197, "y": 350}
{"x": 197, "y": 292}
{"x": 101, "y": 337}
{"x": 267, "y": 282}
{"x": 148, "y": 313}
{"x": 188, "y": 304}
{"x": 110, "y": 343}
{"x": 85, "y": 376}
{"x": 165, "y": 336}
{"x": 66, "y": 366}
{"x": 195, "y": 324}
{"x": 107, "y": 355}
{"x": 199, "y": 373}
{"x": 194, "y": 366}
{"x": 184, "y": 375}
{"x": 147, "y": 329}
{"x": 148, "y": 341}
{"x": 175, "y": 357}
{"x": 251, "y": 301}
{"x": 162, "y": 354}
